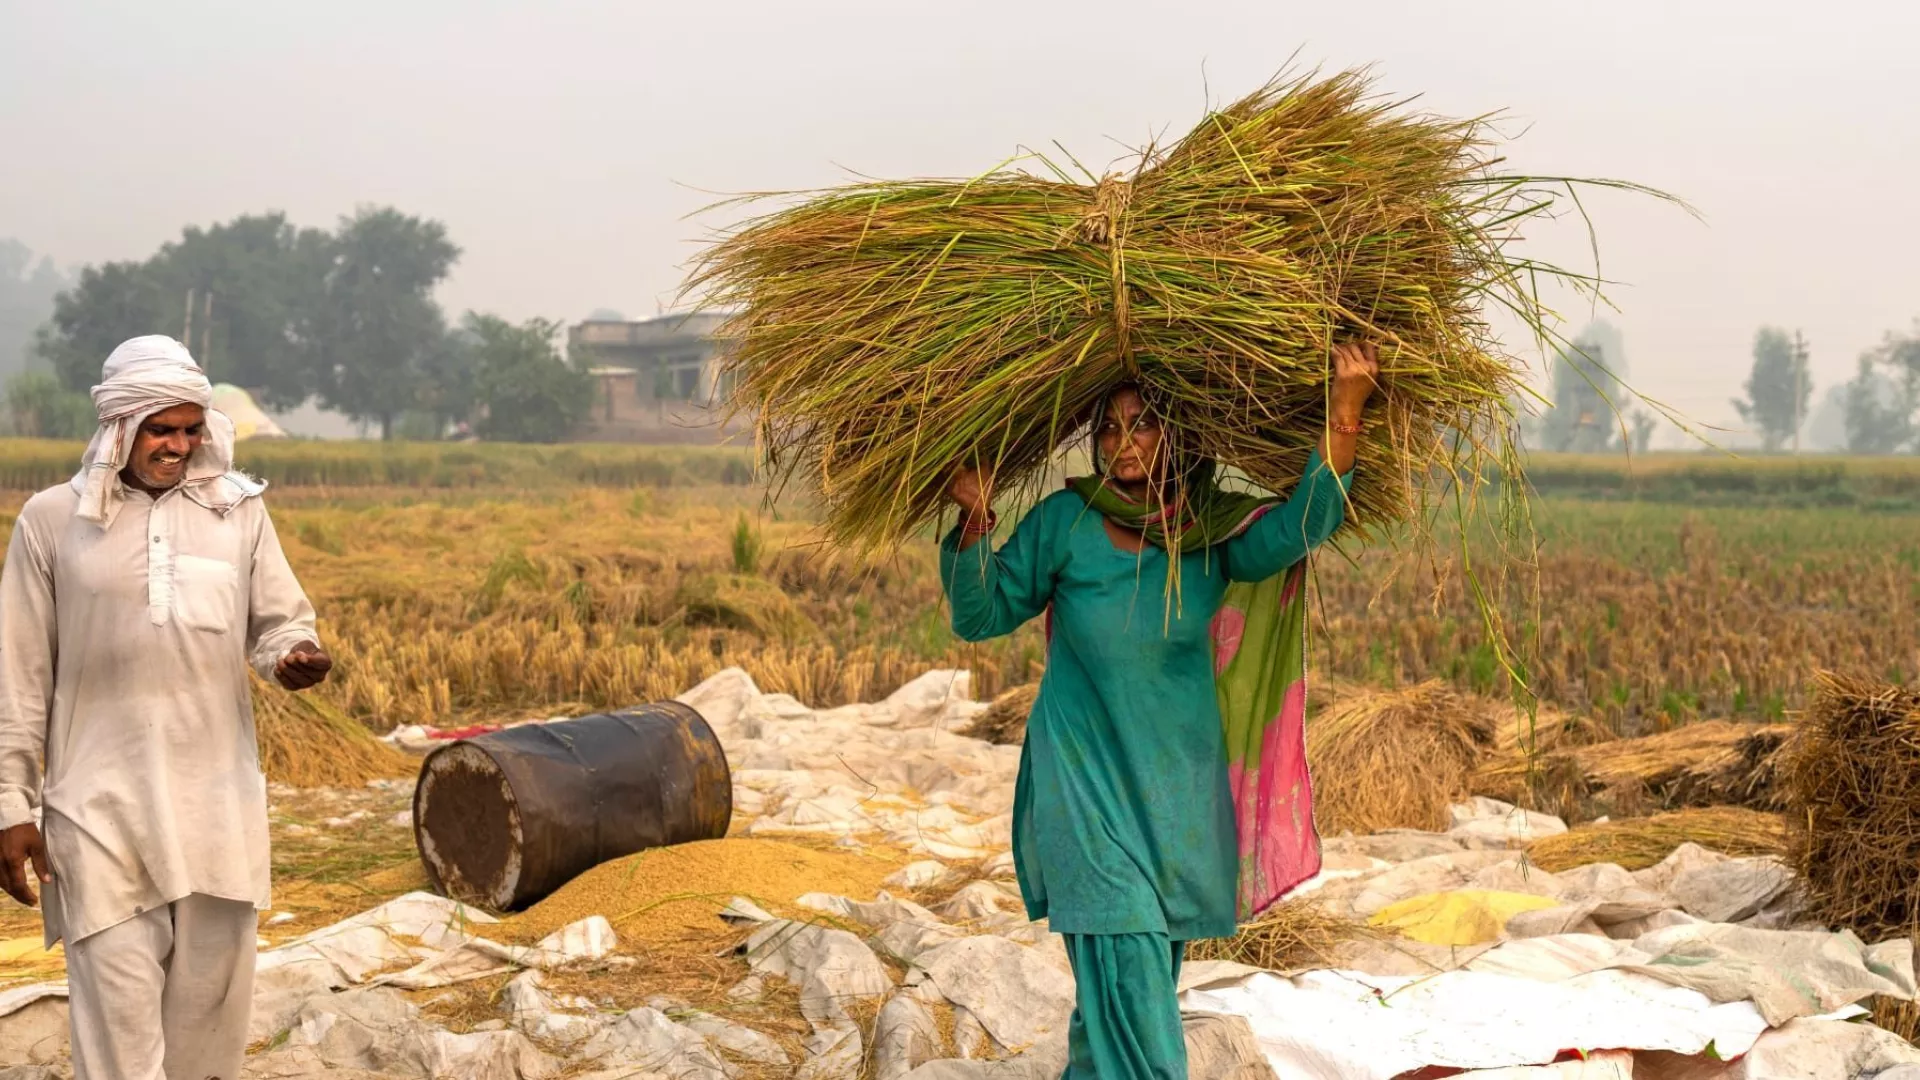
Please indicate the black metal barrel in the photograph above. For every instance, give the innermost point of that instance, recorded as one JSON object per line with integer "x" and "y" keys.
{"x": 505, "y": 819}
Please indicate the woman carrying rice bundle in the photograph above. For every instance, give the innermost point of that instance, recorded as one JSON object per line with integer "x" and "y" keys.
{"x": 1171, "y": 715}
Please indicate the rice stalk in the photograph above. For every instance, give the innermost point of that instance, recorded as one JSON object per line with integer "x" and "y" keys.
{"x": 1638, "y": 843}
{"x": 885, "y": 330}
{"x": 1292, "y": 935}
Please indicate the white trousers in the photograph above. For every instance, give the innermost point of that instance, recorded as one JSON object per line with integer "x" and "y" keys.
{"x": 166, "y": 995}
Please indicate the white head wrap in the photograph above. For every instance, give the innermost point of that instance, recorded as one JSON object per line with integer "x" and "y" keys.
{"x": 146, "y": 375}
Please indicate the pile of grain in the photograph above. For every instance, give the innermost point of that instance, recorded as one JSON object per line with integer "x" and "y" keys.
{"x": 671, "y": 895}
{"x": 1638, "y": 843}
{"x": 307, "y": 742}
{"x": 1396, "y": 758}
{"x": 1005, "y": 721}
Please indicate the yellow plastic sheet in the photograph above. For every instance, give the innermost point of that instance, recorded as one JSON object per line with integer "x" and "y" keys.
{"x": 1457, "y": 917}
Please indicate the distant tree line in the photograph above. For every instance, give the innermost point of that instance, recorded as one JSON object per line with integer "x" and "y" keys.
{"x": 1592, "y": 411}
{"x": 346, "y": 318}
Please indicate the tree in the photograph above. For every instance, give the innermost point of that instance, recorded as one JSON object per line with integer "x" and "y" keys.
{"x": 27, "y": 289}
{"x": 1879, "y": 411}
{"x": 252, "y": 280}
{"x": 234, "y": 292}
{"x": 1779, "y": 389}
{"x": 529, "y": 393}
{"x": 39, "y": 407}
{"x": 1643, "y": 428}
{"x": 1588, "y": 383}
{"x": 109, "y": 304}
{"x": 375, "y": 328}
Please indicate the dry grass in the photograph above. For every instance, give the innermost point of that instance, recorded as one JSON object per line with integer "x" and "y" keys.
{"x": 1853, "y": 792}
{"x": 1641, "y": 842}
{"x": 887, "y": 330}
{"x": 1852, "y": 782}
{"x": 1396, "y": 758}
{"x": 1005, "y": 721}
{"x": 1703, "y": 763}
{"x": 1293, "y": 934}
{"x": 307, "y": 742}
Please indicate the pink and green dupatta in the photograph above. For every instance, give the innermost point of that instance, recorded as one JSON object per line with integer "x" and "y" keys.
{"x": 1260, "y": 676}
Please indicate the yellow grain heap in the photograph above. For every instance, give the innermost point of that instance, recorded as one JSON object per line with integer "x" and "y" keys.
{"x": 672, "y": 895}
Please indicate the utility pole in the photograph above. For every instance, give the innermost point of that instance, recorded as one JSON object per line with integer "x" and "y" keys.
{"x": 1799, "y": 380}
{"x": 206, "y": 332}
{"x": 186, "y": 331}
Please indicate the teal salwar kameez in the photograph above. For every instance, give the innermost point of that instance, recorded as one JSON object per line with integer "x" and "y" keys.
{"x": 1124, "y": 834}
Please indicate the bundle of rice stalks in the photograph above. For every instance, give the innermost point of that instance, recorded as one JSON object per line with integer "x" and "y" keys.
{"x": 1746, "y": 774}
{"x": 1396, "y": 758}
{"x": 886, "y": 330}
{"x": 306, "y": 742}
{"x": 1638, "y": 843}
{"x": 1292, "y": 935}
{"x": 1005, "y": 721}
{"x": 1687, "y": 766}
{"x": 1852, "y": 777}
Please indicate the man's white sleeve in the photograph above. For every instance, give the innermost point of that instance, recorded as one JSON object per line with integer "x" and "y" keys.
{"x": 278, "y": 614}
{"x": 28, "y": 639}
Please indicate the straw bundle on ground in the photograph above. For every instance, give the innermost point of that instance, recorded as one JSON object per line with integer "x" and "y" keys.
{"x": 1746, "y": 774}
{"x": 1396, "y": 758}
{"x": 1292, "y": 935}
{"x": 305, "y": 742}
{"x": 1005, "y": 721}
{"x": 1852, "y": 778}
{"x": 1697, "y": 764}
{"x": 1638, "y": 843}
{"x": 1851, "y": 775}
{"x": 886, "y": 330}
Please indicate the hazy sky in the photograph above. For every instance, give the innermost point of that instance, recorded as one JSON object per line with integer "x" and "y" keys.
{"x": 564, "y": 144}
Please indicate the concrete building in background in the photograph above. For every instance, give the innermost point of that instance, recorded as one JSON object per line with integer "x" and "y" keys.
{"x": 658, "y": 379}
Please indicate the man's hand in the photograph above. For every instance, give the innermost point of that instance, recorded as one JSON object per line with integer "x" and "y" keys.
{"x": 306, "y": 664}
{"x": 19, "y": 846}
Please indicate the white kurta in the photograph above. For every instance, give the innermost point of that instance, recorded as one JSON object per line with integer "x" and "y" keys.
{"x": 123, "y": 658}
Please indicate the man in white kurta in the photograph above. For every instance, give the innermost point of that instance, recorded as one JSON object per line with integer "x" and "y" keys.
{"x": 130, "y": 610}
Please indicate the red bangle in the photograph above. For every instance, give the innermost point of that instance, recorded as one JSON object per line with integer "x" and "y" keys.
{"x": 974, "y": 526}
{"x": 1346, "y": 429}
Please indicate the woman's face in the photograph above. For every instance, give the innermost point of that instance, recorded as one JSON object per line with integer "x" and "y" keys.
{"x": 1129, "y": 438}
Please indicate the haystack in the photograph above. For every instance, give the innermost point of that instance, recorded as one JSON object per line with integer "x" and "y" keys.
{"x": 306, "y": 742}
{"x": 1697, "y": 764}
{"x": 1637, "y": 843}
{"x": 1396, "y": 758}
{"x": 885, "y": 330}
{"x": 1852, "y": 778}
{"x": 1851, "y": 775}
{"x": 1005, "y": 721}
